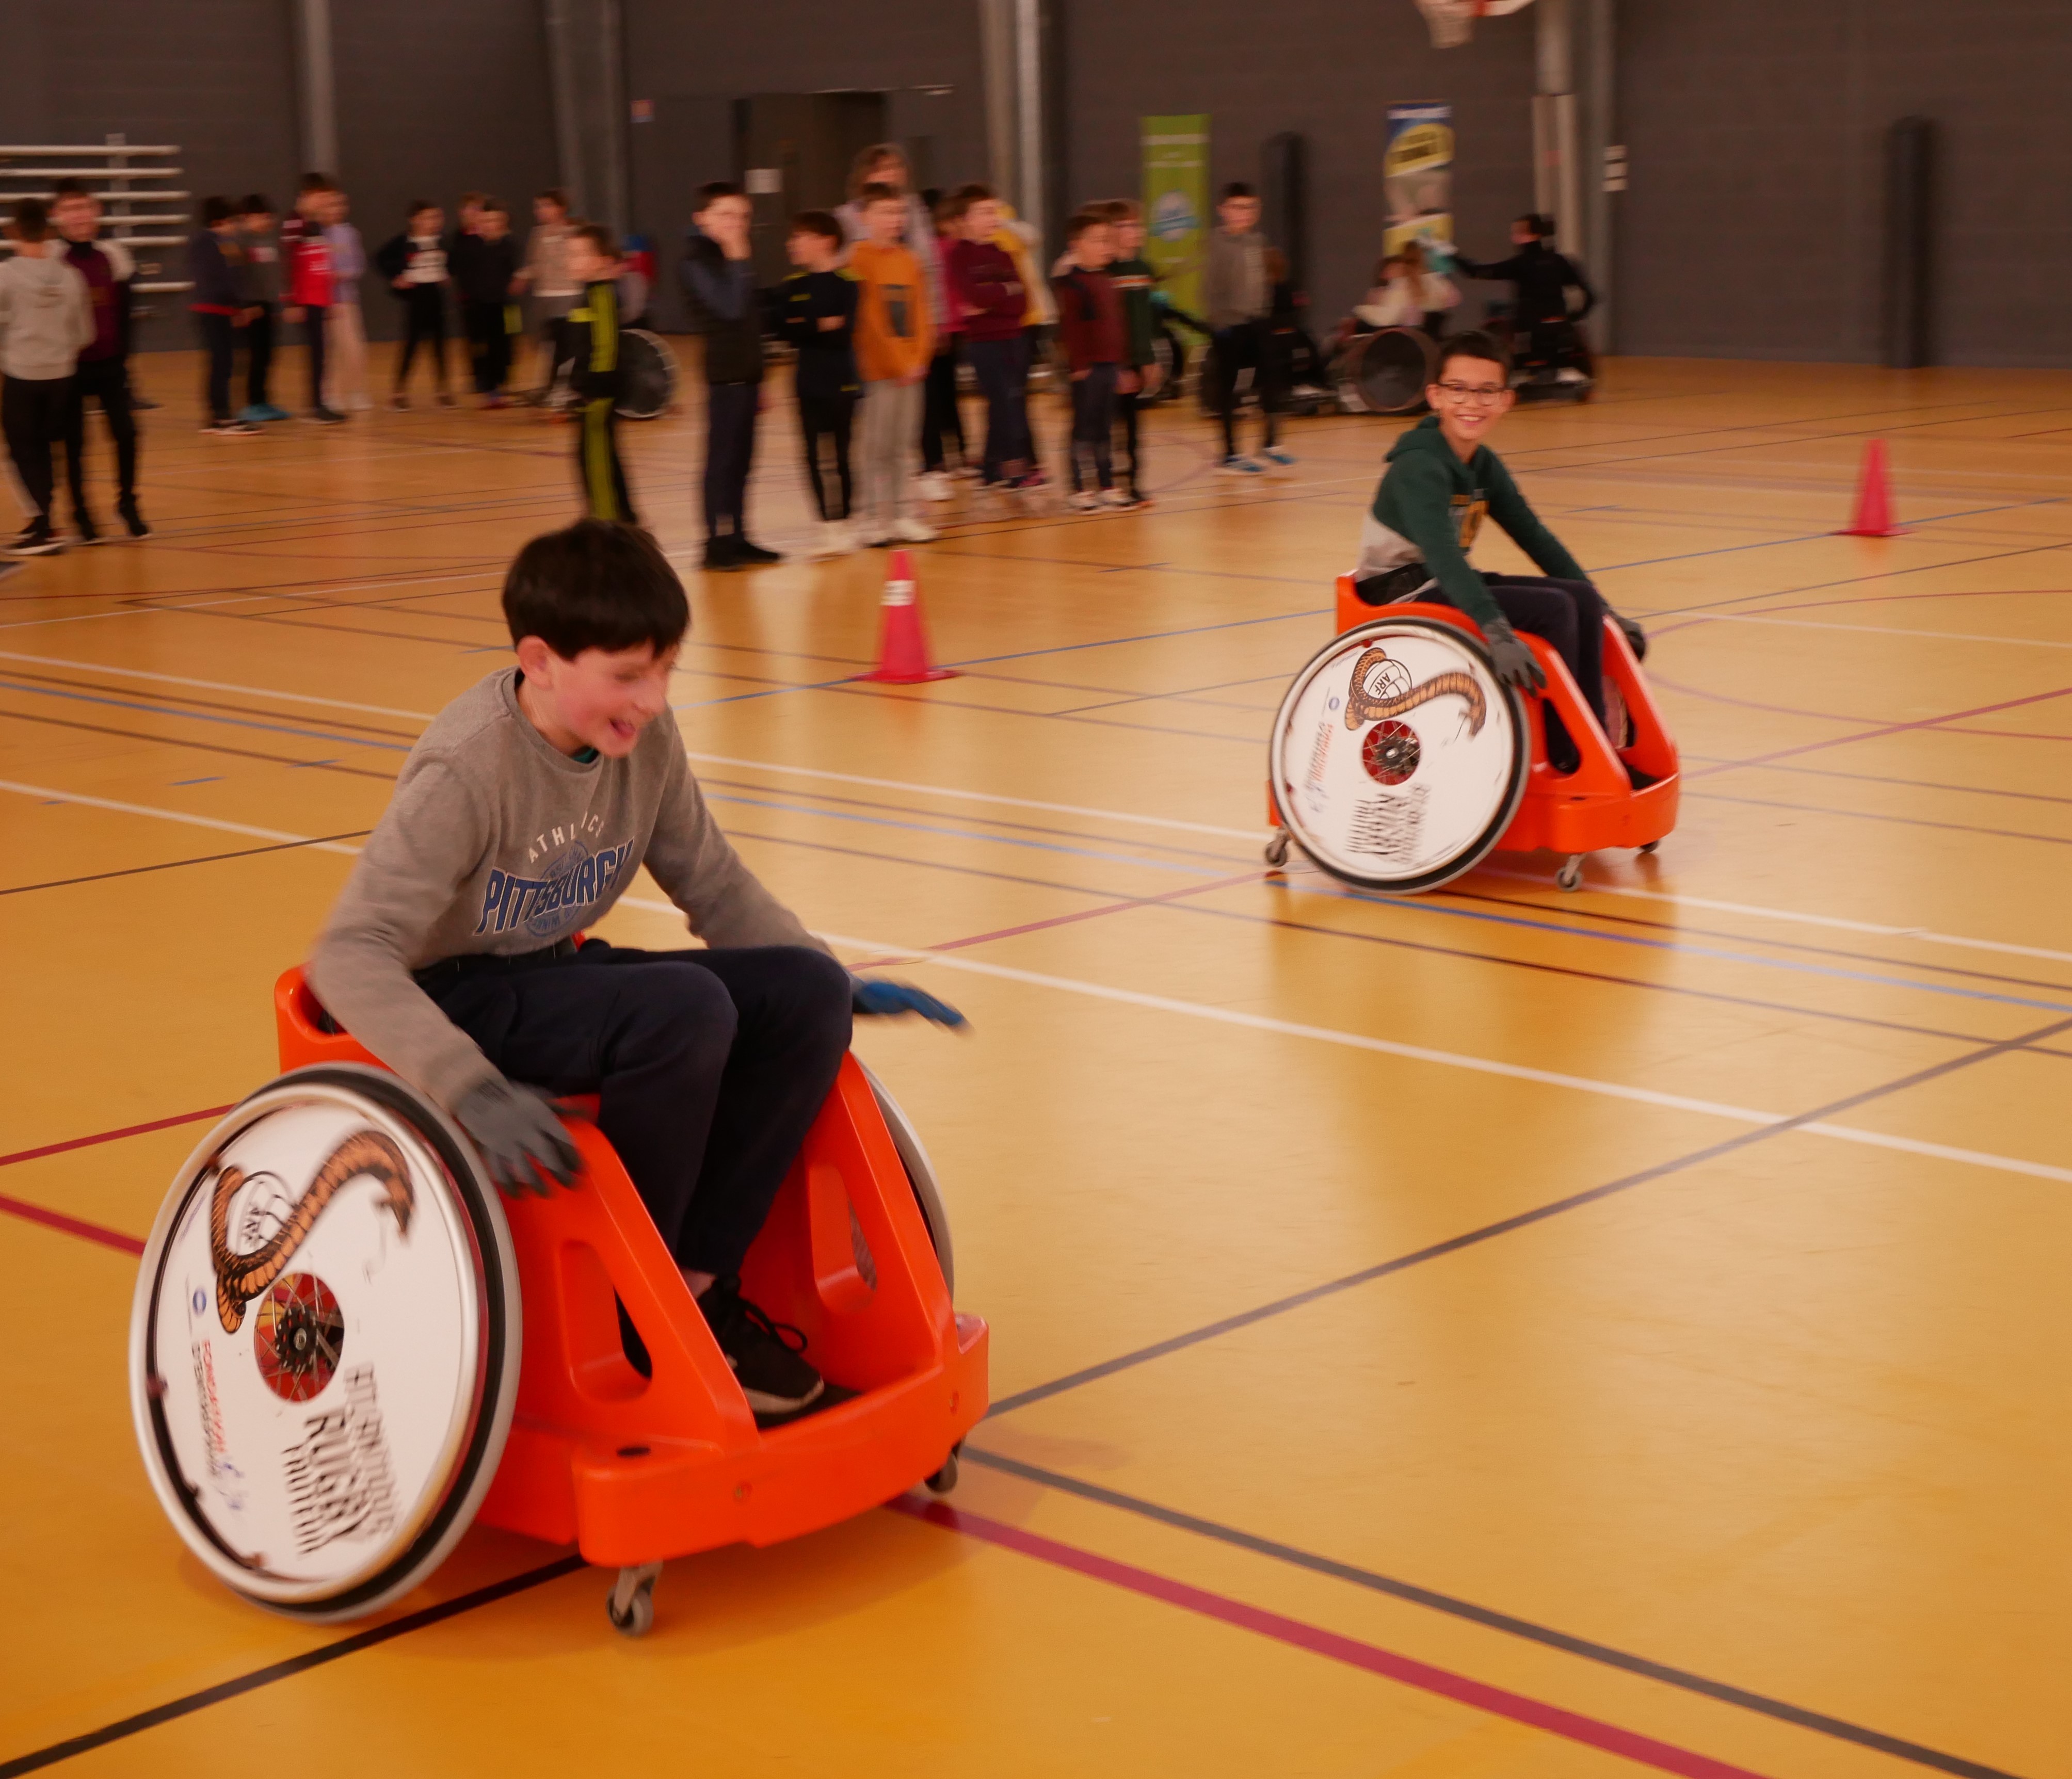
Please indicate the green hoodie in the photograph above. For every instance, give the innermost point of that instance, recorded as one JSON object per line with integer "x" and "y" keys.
{"x": 1434, "y": 503}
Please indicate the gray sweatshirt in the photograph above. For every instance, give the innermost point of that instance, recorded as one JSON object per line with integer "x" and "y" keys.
{"x": 1234, "y": 284}
{"x": 496, "y": 841}
{"x": 45, "y": 317}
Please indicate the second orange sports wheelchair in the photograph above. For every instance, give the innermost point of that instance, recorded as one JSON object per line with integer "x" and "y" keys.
{"x": 345, "y": 1348}
{"x": 1399, "y": 760}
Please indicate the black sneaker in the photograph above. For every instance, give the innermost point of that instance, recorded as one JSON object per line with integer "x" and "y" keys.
{"x": 134, "y": 519}
{"x": 35, "y": 541}
{"x": 765, "y": 1363}
{"x": 84, "y": 530}
{"x": 327, "y": 417}
{"x": 754, "y": 554}
{"x": 723, "y": 555}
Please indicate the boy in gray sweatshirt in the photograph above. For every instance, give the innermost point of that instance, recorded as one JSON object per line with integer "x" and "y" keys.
{"x": 518, "y": 819}
{"x": 45, "y": 318}
{"x": 1238, "y": 294}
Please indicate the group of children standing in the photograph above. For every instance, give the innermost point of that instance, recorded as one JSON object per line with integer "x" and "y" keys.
{"x": 884, "y": 296}
{"x": 64, "y": 341}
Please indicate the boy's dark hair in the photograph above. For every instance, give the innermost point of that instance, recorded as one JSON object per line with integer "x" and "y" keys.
{"x": 595, "y": 585}
{"x": 417, "y": 207}
{"x": 255, "y": 204}
{"x": 1237, "y": 188}
{"x": 476, "y": 198}
{"x": 599, "y": 237}
{"x": 713, "y": 190}
{"x": 316, "y": 182}
{"x": 1093, "y": 216}
{"x": 32, "y": 219}
{"x": 879, "y": 194}
{"x": 961, "y": 199}
{"x": 1117, "y": 210}
{"x": 489, "y": 206}
{"x": 216, "y": 210}
{"x": 1472, "y": 344}
{"x": 1537, "y": 223}
{"x": 68, "y": 188}
{"x": 818, "y": 222}
{"x": 553, "y": 194}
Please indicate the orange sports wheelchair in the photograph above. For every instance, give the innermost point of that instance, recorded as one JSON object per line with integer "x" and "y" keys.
{"x": 345, "y": 1348}
{"x": 1390, "y": 802}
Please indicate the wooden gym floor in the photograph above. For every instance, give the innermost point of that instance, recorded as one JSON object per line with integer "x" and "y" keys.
{"x": 1501, "y": 1333}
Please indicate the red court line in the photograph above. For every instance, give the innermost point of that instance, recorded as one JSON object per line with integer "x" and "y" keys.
{"x": 1884, "y": 729}
{"x": 78, "y": 1226}
{"x": 1664, "y": 1757}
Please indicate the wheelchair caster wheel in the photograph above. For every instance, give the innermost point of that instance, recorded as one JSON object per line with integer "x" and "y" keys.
{"x": 944, "y": 1480}
{"x": 631, "y": 1605}
{"x": 1649, "y": 847}
{"x": 1276, "y": 849}
{"x": 1570, "y": 876}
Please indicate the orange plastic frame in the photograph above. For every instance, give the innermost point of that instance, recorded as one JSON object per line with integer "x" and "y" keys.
{"x": 1597, "y": 805}
{"x": 635, "y": 1470}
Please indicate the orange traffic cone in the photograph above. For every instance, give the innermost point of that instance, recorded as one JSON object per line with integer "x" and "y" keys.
{"x": 903, "y": 647}
{"x": 1873, "y": 516}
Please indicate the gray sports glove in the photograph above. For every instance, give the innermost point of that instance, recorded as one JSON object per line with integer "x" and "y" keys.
{"x": 1636, "y": 638}
{"x": 521, "y": 1141}
{"x": 1513, "y": 662}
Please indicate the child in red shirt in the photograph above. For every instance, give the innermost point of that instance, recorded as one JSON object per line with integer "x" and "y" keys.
{"x": 305, "y": 251}
{"x": 985, "y": 292}
{"x": 1089, "y": 330}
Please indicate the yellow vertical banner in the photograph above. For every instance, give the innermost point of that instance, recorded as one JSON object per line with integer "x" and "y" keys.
{"x": 1176, "y": 203}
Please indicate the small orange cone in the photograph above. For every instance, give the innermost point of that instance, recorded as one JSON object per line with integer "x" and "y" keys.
{"x": 1873, "y": 516}
{"x": 902, "y": 647}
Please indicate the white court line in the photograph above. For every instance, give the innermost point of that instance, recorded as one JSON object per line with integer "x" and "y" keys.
{"x": 45, "y": 793}
{"x": 1754, "y": 911}
{"x": 1608, "y": 1090}
{"x": 213, "y": 685}
{"x": 982, "y": 796}
{"x": 1872, "y": 926}
{"x": 1855, "y": 629}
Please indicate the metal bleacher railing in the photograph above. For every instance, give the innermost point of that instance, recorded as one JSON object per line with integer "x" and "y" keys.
{"x": 133, "y": 181}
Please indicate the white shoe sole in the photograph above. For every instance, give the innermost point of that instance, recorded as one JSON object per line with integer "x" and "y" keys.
{"x": 763, "y": 1404}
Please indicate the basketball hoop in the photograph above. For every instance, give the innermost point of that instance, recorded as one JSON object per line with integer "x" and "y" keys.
{"x": 1452, "y": 21}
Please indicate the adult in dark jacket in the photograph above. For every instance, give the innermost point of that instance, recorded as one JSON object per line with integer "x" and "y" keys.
{"x": 1542, "y": 318}
{"x": 719, "y": 283}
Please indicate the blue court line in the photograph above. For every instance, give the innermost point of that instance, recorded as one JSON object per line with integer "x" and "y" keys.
{"x": 971, "y": 834}
{"x": 203, "y": 717}
{"x": 1416, "y": 906}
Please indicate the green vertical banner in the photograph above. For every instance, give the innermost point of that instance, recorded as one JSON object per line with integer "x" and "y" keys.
{"x": 1176, "y": 203}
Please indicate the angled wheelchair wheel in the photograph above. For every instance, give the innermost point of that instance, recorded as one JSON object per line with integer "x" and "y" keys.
{"x": 324, "y": 1343}
{"x": 920, "y": 1176}
{"x": 648, "y": 382}
{"x": 1397, "y": 758}
{"x": 1385, "y": 372}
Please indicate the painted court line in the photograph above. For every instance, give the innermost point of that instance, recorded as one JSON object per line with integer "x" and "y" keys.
{"x": 1313, "y": 1639}
{"x": 2002, "y": 1164}
{"x": 1863, "y": 629}
{"x": 1609, "y": 1090}
{"x": 214, "y": 685}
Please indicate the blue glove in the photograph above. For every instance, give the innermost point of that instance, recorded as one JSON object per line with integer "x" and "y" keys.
{"x": 886, "y": 999}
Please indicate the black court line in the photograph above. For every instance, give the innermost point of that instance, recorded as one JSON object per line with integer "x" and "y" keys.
{"x": 1453, "y": 1607}
{"x": 197, "y": 747}
{"x": 1523, "y": 1219}
{"x": 295, "y": 1665}
{"x": 175, "y": 865}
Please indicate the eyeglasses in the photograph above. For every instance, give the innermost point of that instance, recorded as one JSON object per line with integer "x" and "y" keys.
{"x": 1486, "y": 393}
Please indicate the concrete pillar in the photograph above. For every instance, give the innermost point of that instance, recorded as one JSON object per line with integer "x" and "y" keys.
{"x": 1020, "y": 46}
{"x": 316, "y": 88}
{"x": 586, "y": 49}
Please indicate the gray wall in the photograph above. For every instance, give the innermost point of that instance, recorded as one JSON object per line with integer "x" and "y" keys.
{"x": 693, "y": 63}
{"x": 1753, "y": 224}
{"x": 435, "y": 99}
{"x": 432, "y": 98}
{"x": 1327, "y": 71}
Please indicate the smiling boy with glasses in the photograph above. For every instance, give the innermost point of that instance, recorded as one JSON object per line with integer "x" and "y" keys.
{"x": 1440, "y": 483}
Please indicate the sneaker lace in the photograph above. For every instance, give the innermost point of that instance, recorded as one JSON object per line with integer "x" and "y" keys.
{"x": 735, "y": 1310}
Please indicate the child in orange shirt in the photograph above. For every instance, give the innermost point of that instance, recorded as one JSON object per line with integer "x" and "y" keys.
{"x": 894, "y": 341}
